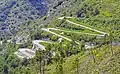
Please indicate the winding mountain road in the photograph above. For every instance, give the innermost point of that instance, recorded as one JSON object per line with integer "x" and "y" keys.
{"x": 36, "y": 44}
{"x": 61, "y": 18}
{"x": 75, "y": 32}
{"x": 30, "y": 53}
{"x": 48, "y": 30}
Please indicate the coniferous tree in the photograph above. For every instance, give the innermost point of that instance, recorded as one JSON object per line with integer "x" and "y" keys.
{"x": 39, "y": 59}
{"x": 111, "y": 39}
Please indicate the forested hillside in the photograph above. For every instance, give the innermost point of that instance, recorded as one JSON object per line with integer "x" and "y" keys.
{"x": 63, "y": 37}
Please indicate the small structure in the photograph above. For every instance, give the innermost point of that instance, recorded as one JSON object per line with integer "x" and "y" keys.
{"x": 89, "y": 45}
{"x": 1, "y": 42}
{"x": 60, "y": 40}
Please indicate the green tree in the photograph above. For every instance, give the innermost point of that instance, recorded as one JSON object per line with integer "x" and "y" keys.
{"x": 111, "y": 39}
{"x": 92, "y": 49}
{"x": 39, "y": 59}
{"x": 59, "y": 63}
{"x": 82, "y": 45}
{"x": 54, "y": 38}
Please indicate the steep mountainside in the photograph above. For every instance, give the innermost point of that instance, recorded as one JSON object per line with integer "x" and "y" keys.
{"x": 13, "y": 13}
{"x": 60, "y": 36}
{"x": 96, "y": 13}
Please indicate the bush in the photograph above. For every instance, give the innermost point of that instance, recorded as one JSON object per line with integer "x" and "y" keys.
{"x": 54, "y": 38}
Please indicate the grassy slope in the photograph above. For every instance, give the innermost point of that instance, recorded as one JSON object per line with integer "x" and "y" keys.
{"x": 108, "y": 17}
{"x": 106, "y": 20}
{"x": 87, "y": 30}
{"x": 105, "y": 63}
{"x": 109, "y": 10}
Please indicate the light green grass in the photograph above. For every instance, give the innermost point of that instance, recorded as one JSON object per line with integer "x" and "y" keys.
{"x": 75, "y": 20}
{"x": 104, "y": 62}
